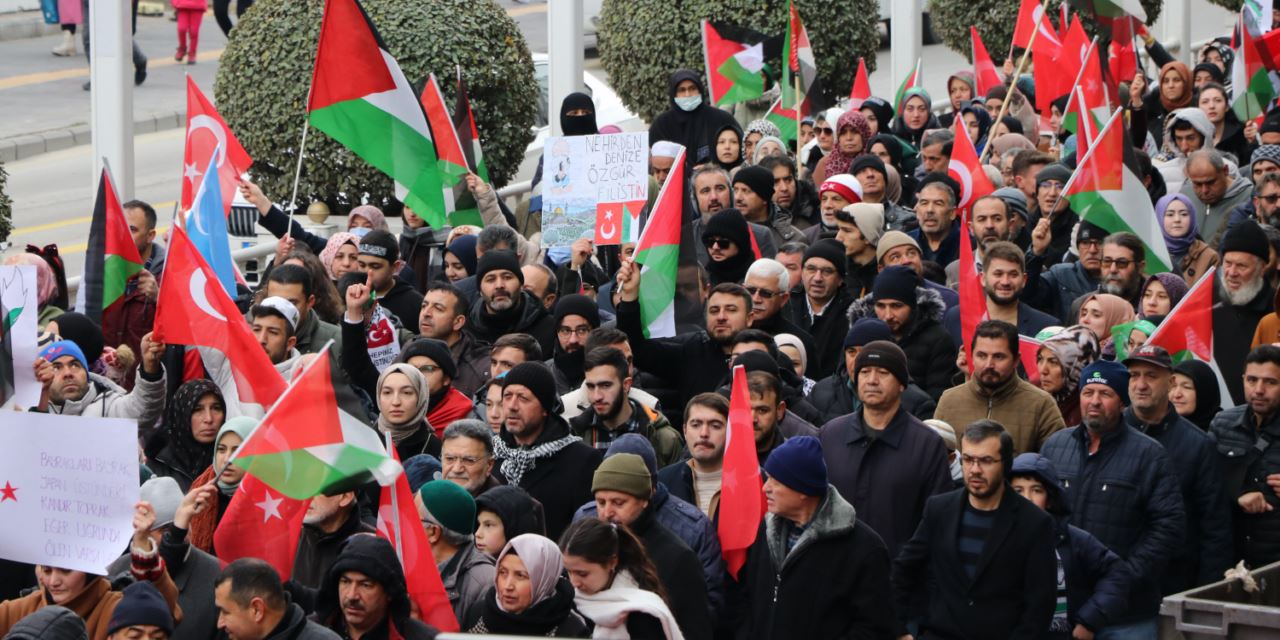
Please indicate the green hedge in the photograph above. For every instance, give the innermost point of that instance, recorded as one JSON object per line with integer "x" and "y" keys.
{"x": 995, "y": 20}
{"x": 6, "y": 206}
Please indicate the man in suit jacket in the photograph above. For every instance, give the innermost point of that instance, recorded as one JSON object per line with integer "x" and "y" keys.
{"x": 983, "y": 553}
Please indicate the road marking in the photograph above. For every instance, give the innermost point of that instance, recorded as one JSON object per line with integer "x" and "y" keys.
{"x": 80, "y": 248}
{"x": 13, "y": 82}
{"x": 516, "y": 12}
{"x": 159, "y": 206}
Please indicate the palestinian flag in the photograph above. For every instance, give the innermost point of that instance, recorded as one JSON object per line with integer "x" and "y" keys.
{"x": 1251, "y": 82}
{"x": 785, "y": 119}
{"x": 1187, "y": 332}
{"x": 1089, "y": 96}
{"x": 452, "y": 162}
{"x": 111, "y": 258}
{"x": 464, "y": 124}
{"x": 360, "y": 98}
{"x": 910, "y": 82}
{"x": 797, "y": 62}
{"x": 1106, "y": 190}
{"x": 985, "y": 75}
{"x": 861, "y": 86}
{"x": 658, "y": 253}
{"x": 734, "y": 57}
{"x": 306, "y": 446}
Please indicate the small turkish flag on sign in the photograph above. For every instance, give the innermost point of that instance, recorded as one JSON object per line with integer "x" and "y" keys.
{"x": 609, "y": 223}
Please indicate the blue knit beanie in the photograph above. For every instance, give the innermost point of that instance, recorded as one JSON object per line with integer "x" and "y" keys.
{"x": 798, "y": 464}
{"x": 1112, "y": 374}
{"x": 142, "y": 604}
{"x": 61, "y": 348}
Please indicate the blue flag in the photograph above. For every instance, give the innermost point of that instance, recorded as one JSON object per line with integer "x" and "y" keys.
{"x": 206, "y": 226}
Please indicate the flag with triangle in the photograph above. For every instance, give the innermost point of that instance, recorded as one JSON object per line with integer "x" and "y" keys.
{"x": 111, "y": 258}
{"x": 464, "y": 124}
{"x": 452, "y": 161}
{"x": 262, "y": 523}
{"x": 734, "y": 58}
{"x": 1252, "y": 85}
{"x": 785, "y": 119}
{"x": 306, "y": 445}
{"x": 658, "y": 253}
{"x": 1106, "y": 190}
{"x": 966, "y": 170}
{"x": 797, "y": 62}
{"x": 400, "y": 524}
{"x": 741, "y": 496}
{"x": 861, "y": 86}
{"x": 190, "y": 312}
{"x": 361, "y": 98}
{"x": 206, "y": 227}
{"x": 912, "y": 81}
{"x": 1187, "y": 332}
{"x": 205, "y": 130}
{"x": 985, "y": 75}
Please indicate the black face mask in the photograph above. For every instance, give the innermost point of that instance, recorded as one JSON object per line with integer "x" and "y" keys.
{"x": 578, "y": 125}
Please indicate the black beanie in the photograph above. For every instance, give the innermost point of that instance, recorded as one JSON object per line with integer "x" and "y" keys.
{"x": 887, "y": 356}
{"x": 938, "y": 176}
{"x": 375, "y": 558}
{"x": 757, "y": 360}
{"x": 1248, "y": 237}
{"x": 80, "y": 329}
{"x": 729, "y": 223}
{"x": 867, "y": 330}
{"x": 437, "y": 350}
{"x": 868, "y": 160}
{"x": 758, "y": 179}
{"x": 898, "y": 282}
{"x": 578, "y": 305}
{"x": 380, "y": 244}
{"x": 1056, "y": 171}
{"x": 831, "y": 251}
{"x": 538, "y": 379}
{"x": 501, "y": 259}
{"x": 142, "y": 604}
{"x": 1090, "y": 231}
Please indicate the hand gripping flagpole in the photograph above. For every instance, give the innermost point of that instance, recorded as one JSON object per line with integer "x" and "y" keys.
{"x": 1013, "y": 84}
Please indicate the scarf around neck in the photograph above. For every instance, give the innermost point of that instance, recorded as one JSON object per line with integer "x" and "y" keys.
{"x": 518, "y": 460}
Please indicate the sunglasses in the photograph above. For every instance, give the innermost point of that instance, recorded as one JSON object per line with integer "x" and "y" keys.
{"x": 766, "y": 294}
{"x": 826, "y": 131}
{"x": 717, "y": 242}
{"x": 1271, "y": 199}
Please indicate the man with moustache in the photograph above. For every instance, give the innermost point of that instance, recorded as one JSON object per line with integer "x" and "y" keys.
{"x": 1123, "y": 263}
{"x": 1242, "y": 296}
{"x": 443, "y": 317}
{"x": 613, "y": 413}
{"x": 365, "y": 595}
{"x": 504, "y": 307}
{"x": 1003, "y": 278}
{"x": 1053, "y": 290}
{"x": 712, "y": 193}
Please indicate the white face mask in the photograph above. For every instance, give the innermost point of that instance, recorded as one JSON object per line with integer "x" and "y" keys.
{"x": 689, "y": 103}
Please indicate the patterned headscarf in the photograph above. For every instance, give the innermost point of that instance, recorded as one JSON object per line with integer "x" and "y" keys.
{"x": 838, "y": 162}
{"x": 409, "y": 427}
{"x": 764, "y": 128}
{"x": 330, "y": 250}
{"x": 1076, "y": 348}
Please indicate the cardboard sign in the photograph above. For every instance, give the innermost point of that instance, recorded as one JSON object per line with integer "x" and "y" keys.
{"x": 587, "y": 180}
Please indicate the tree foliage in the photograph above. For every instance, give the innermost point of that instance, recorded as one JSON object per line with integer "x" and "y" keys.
{"x": 642, "y": 41}
{"x": 6, "y": 206}
{"x": 265, "y": 73}
{"x": 995, "y": 20}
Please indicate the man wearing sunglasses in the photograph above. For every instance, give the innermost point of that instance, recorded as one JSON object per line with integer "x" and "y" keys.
{"x": 769, "y": 284}
{"x": 713, "y": 193}
{"x": 1122, "y": 266}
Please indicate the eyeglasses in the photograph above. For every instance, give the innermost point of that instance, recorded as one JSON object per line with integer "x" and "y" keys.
{"x": 581, "y": 332}
{"x": 826, "y": 272}
{"x": 718, "y": 242}
{"x": 428, "y": 369}
{"x": 1271, "y": 199}
{"x": 984, "y": 461}
{"x": 1122, "y": 263}
{"x": 467, "y": 461}
{"x": 767, "y": 294}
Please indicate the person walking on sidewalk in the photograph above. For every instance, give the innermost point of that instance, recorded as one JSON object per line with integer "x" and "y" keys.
{"x": 190, "y": 15}
{"x": 139, "y": 58}
{"x": 69, "y": 18}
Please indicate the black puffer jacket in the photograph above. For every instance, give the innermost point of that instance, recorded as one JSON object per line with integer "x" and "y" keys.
{"x": 833, "y": 396}
{"x": 931, "y": 354}
{"x": 1126, "y": 494}
{"x": 1257, "y": 536}
{"x": 690, "y": 362}
{"x": 528, "y": 317}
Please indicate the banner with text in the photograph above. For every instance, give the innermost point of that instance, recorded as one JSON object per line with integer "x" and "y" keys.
{"x": 594, "y": 187}
{"x": 68, "y": 485}
{"x": 19, "y": 308}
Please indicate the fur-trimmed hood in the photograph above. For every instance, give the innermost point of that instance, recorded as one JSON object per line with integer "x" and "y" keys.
{"x": 929, "y": 305}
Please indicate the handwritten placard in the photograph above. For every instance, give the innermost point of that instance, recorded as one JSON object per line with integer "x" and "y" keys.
{"x": 589, "y": 183}
{"x": 68, "y": 485}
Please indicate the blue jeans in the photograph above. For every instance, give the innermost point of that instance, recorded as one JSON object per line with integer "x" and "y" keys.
{"x": 1145, "y": 630}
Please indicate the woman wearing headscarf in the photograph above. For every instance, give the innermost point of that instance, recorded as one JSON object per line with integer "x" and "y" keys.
{"x": 691, "y": 120}
{"x": 1101, "y": 312}
{"x": 531, "y": 596}
{"x": 1196, "y": 394}
{"x": 756, "y": 131}
{"x": 460, "y": 258}
{"x": 768, "y": 146}
{"x": 402, "y": 396}
{"x": 226, "y": 477}
{"x": 577, "y": 118}
{"x": 46, "y": 287}
{"x": 852, "y": 135}
{"x": 367, "y": 216}
{"x": 960, "y": 90}
{"x": 890, "y": 150}
{"x": 340, "y": 254}
{"x": 728, "y": 147}
{"x": 978, "y": 121}
{"x": 192, "y": 419}
{"x": 1160, "y": 294}
{"x": 1060, "y": 360}
{"x": 879, "y": 114}
{"x": 915, "y": 116}
{"x": 1174, "y": 91}
{"x": 728, "y": 241}
{"x": 1191, "y": 256}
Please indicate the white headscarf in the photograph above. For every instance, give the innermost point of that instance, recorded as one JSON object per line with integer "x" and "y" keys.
{"x": 541, "y": 558}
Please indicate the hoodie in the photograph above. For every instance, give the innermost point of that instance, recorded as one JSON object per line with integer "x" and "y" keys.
{"x": 1211, "y": 219}
{"x": 375, "y": 558}
{"x": 695, "y": 129}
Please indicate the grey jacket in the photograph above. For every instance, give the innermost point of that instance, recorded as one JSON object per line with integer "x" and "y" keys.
{"x": 1212, "y": 219}
{"x": 467, "y": 576}
{"x": 195, "y": 578}
{"x": 106, "y": 399}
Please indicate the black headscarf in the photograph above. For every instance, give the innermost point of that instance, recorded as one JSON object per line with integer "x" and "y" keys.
{"x": 882, "y": 110}
{"x": 578, "y": 125}
{"x": 696, "y": 129}
{"x": 715, "y": 142}
{"x": 1208, "y": 396}
{"x": 891, "y": 145}
{"x": 191, "y": 456}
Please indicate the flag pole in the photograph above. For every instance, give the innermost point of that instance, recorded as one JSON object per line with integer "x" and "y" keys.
{"x": 1013, "y": 84}
{"x": 799, "y": 115}
{"x": 395, "y": 508}
{"x": 1117, "y": 115}
{"x": 297, "y": 174}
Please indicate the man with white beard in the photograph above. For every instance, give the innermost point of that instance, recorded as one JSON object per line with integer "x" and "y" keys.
{"x": 1241, "y": 298}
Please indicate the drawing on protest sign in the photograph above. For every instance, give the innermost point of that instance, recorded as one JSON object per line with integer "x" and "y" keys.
{"x": 68, "y": 485}
{"x": 19, "y": 307}
{"x": 594, "y": 187}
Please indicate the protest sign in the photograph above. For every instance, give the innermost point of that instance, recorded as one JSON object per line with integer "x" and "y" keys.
{"x": 593, "y": 187}
{"x": 68, "y": 485}
{"x": 19, "y": 307}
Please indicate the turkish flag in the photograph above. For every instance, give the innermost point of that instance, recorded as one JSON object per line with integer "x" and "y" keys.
{"x": 206, "y": 130}
{"x": 260, "y": 523}
{"x": 973, "y": 298}
{"x": 985, "y": 75}
{"x": 742, "y": 502}
{"x": 965, "y": 169}
{"x": 609, "y": 223}
{"x": 1028, "y": 349}
{"x": 397, "y": 513}
{"x": 193, "y": 309}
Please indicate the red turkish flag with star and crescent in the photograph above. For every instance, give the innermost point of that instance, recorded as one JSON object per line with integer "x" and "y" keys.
{"x": 260, "y": 523}
{"x": 206, "y": 130}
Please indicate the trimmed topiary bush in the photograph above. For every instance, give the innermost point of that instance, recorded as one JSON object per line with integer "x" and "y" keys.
{"x": 995, "y": 20}
{"x": 6, "y": 207}
{"x": 642, "y": 41}
{"x": 265, "y": 73}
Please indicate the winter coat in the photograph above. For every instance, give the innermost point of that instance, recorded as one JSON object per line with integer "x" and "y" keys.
{"x": 529, "y": 316}
{"x": 49, "y": 624}
{"x": 553, "y": 617}
{"x": 827, "y": 330}
{"x": 690, "y": 362}
{"x": 472, "y": 358}
{"x": 1233, "y": 331}
{"x": 467, "y": 576}
{"x": 313, "y": 333}
{"x": 694, "y": 130}
{"x": 783, "y": 596}
{"x": 402, "y": 301}
{"x": 1054, "y": 289}
{"x": 948, "y": 250}
{"x": 1206, "y": 549}
{"x": 1127, "y": 495}
{"x": 888, "y": 477}
{"x": 1030, "y": 322}
{"x": 680, "y": 573}
{"x": 194, "y": 573}
{"x": 106, "y": 399}
{"x": 1211, "y": 219}
{"x": 1248, "y": 456}
{"x": 1268, "y": 330}
{"x": 1199, "y": 257}
{"x": 94, "y": 605}
{"x": 1027, "y": 412}
{"x": 1013, "y": 591}
{"x": 317, "y": 550}
{"x": 931, "y": 354}
{"x": 561, "y": 481}
{"x": 296, "y": 626}
{"x": 575, "y": 402}
{"x": 834, "y": 396}
{"x": 667, "y": 443}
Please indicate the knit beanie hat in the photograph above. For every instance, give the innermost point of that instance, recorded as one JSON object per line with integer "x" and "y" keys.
{"x": 61, "y": 348}
{"x": 898, "y": 282}
{"x": 450, "y": 505}
{"x": 945, "y": 430}
{"x": 623, "y": 472}
{"x": 437, "y": 350}
{"x": 380, "y": 244}
{"x": 867, "y": 330}
{"x": 83, "y": 331}
{"x": 539, "y": 380}
{"x": 758, "y": 179}
{"x": 421, "y": 469}
{"x": 868, "y": 160}
{"x": 639, "y": 445}
{"x": 798, "y": 464}
{"x": 893, "y": 239}
{"x": 753, "y": 361}
{"x": 869, "y": 218}
{"x": 1248, "y": 237}
{"x": 830, "y": 250}
{"x": 50, "y": 622}
{"x": 578, "y": 305}
{"x": 164, "y": 495}
{"x": 1268, "y": 152}
{"x": 370, "y": 555}
{"x": 1109, "y": 373}
{"x": 884, "y": 354}
{"x": 1014, "y": 200}
{"x": 142, "y": 604}
{"x": 1056, "y": 171}
{"x": 495, "y": 260}
{"x": 844, "y": 184}
{"x": 731, "y": 224}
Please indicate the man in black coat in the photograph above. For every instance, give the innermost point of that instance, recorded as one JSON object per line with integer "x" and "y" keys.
{"x": 349, "y": 606}
{"x": 329, "y": 521}
{"x": 1206, "y": 551}
{"x": 834, "y": 395}
{"x": 504, "y": 306}
{"x": 818, "y": 304}
{"x": 537, "y": 452}
{"x": 983, "y": 554}
{"x": 1241, "y": 297}
{"x": 790, "y": 578}
{"x": 1121, "y": 487}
